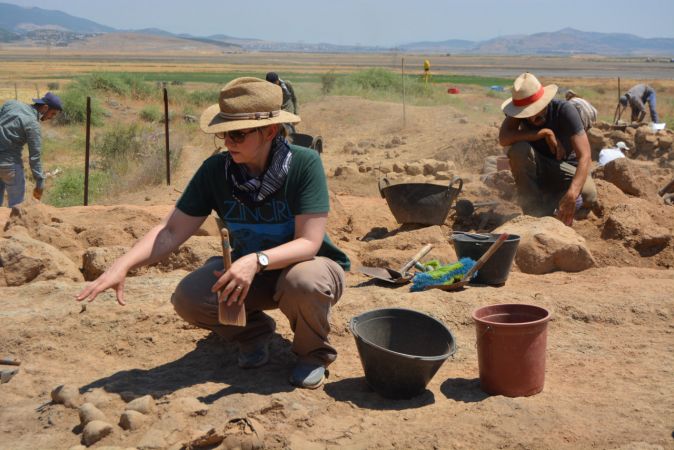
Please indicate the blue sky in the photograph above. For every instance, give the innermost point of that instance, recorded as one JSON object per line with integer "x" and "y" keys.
{"x": 373, "y": 22}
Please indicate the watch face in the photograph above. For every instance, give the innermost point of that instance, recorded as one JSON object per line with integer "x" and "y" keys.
{"x": 262, "y": 259}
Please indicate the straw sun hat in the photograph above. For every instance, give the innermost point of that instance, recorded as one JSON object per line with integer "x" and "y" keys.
{"x": 528, "y": 97}
{"x": 246, "y": 102}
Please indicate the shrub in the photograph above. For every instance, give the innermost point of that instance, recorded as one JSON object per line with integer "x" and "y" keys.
{"x": 134, "y": 155}
{"x": 121, "y": 84}
{"x": 151, "y": 113}
{"x": 328, "y": 81}
{"x": 53, "y": 86}
{"x": 119, "y": 146}
{"x": 75, "y": 107}
{"x": 68, "y": 188}
{"x": 382, "y": 84}
{"x": 203, "y": 98}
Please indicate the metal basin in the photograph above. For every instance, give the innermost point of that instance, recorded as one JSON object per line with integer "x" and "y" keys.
{"x": 422, "y": 203}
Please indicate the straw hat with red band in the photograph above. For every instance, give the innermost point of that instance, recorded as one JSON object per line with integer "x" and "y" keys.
{"x": 529, "y": 97}
{"x": 246, "y": 102}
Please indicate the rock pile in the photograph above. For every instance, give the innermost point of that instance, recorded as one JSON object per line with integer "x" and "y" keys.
{"x": 644, "y": 143}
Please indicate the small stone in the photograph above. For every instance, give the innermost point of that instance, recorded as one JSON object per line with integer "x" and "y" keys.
{"x": 190, "y": 405}
{"x": 99, "y": 397}
{"x": 343, "y": 171}
{"x": 67, "y": 395}
{"x": 95, "y": 431}
{"x": 414, "y": 169}
{"x": 132, "y": 420}
{"x": 88, "y": 413}
{"x": 349, "y": 147}
{"x": 144, "y": 404}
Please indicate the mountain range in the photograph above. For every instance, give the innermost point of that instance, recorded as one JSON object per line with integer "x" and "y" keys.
{"x": 19, "y": 23}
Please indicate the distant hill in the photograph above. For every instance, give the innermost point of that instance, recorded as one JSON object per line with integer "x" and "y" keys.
{"x": 60, "y": 29}
{"x": 139, "y": 43}
{"x": 8, "y": 36}
{"x": 20, "y": 19}
{"x": 451, "y": 45}
{"x": 567, "y": 41}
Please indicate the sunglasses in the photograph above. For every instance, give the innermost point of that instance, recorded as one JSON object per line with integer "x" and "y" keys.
{"x": 237, "y": 136}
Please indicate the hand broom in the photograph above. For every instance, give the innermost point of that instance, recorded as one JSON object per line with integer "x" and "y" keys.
{"x": 230, "y": 314}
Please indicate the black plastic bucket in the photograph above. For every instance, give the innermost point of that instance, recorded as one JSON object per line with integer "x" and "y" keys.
{"x": 422, "y": 203}
{"x": 496, "y": 270}
{"x": 308, "y": 141}
{"x": 400, "y": 349}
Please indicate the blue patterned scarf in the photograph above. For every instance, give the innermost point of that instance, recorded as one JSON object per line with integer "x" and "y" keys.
{"x": 253, "y": 189}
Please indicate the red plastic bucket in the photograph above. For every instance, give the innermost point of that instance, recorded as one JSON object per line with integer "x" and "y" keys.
{"x": 511, "y": 341}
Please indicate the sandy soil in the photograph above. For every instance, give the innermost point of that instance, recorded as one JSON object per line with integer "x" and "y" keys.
{"x": 610, "y": 354}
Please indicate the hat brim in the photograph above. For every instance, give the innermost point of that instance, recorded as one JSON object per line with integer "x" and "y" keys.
{"x": 212, "y": 122}
{"x": 522, "y": 112}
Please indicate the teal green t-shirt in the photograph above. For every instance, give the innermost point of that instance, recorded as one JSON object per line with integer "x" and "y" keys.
{"x": 262, "y": 225}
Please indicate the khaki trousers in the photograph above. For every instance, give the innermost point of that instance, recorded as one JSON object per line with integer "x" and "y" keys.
{"x": 304, "y": 292}
{"x": 542, "y": 182}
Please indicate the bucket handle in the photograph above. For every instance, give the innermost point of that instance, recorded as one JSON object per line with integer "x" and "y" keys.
{"x": 451, "y": 187}
{"x": 381, "y": 189}
{"x": 477, "y": 236}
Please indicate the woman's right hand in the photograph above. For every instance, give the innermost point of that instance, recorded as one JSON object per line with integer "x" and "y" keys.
{"x": 114, "y": 277}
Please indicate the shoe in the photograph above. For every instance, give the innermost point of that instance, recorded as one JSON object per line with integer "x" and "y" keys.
{"x": 254, "y": 355}
{"x": 308, "y": 375}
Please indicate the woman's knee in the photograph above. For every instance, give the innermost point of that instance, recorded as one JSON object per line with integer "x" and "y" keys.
{"x": 311, "y": 280}
{"x": 193, "y": 296}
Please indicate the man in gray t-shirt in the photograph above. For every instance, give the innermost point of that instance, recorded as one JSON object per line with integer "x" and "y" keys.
{"x": 549, "y": 151}
{"x": 636, "y": 97}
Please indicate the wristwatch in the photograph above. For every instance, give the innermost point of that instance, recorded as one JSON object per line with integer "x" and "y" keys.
{"x": 262, "y": 261}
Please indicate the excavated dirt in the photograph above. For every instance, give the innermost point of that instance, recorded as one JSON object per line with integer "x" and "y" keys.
{"x": 610, "y": 354}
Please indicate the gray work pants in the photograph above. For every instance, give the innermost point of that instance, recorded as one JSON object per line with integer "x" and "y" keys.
{"x": 542, "y": 182}
{"x": 304, "y": 292}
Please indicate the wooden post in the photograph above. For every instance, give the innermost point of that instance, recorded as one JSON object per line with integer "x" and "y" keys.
{"x": 402, "y": 70}
{"x": 86, "y": 153}
{"x": 166, "y": 133}
{"x": 618, "y": 110}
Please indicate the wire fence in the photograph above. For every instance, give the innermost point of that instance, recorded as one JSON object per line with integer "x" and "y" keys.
{"x": 24, "y": 91}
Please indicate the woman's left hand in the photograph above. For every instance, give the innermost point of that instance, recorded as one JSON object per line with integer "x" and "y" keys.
{"x": 235, "y": 283}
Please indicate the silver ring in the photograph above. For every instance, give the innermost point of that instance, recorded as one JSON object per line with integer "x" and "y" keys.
{"x": 238, "y": 288}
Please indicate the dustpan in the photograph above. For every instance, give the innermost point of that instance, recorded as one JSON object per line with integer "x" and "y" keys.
{"x": 393, "y": 276}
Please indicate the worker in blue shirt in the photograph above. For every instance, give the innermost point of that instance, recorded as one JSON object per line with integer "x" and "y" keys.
{"x": 20, "y": 125}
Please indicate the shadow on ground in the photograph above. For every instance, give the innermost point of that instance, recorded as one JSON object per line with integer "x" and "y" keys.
{"x": 357, "y": 391}
{"x": 211, "y": 361}
{"x": 463, "y": 390}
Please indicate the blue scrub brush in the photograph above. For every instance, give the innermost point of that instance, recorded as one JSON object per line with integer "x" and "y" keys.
{"x": 442, "y": 275}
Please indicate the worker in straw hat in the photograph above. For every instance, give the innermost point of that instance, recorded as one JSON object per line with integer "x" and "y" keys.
{"x": 549, "y": 151}
{"x": 273, "y": 198}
